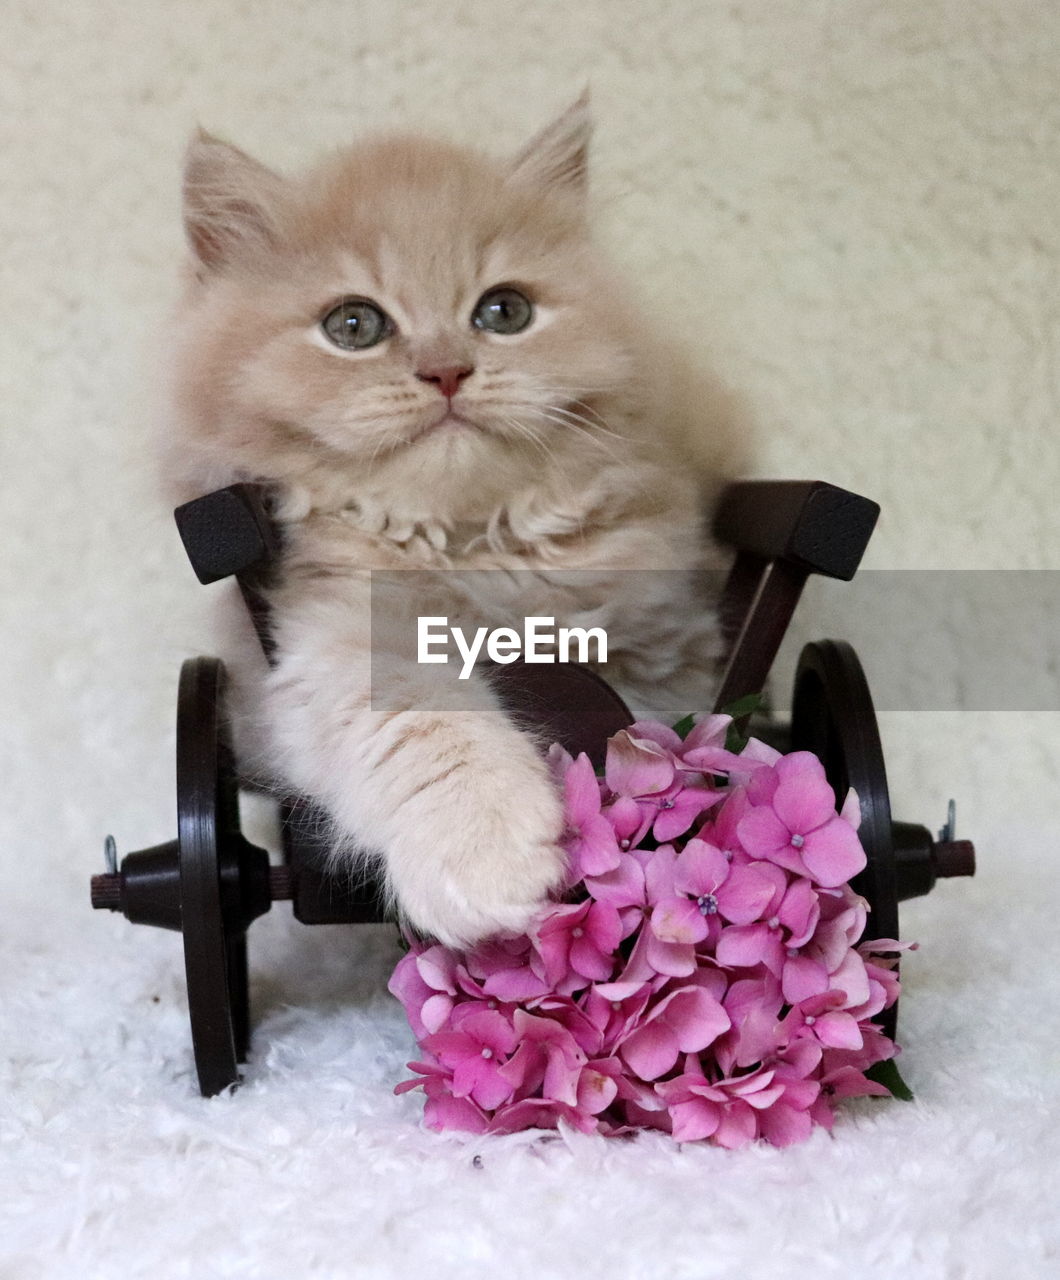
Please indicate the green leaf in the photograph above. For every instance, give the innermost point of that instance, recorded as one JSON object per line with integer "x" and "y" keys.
{"x": 736, "y": 738}
{"x": 685, "y": 726}
{"x": 887, "y": 1074}
{"x": 745, "y": 706}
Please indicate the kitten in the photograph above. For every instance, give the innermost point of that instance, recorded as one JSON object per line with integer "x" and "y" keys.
{"x": 419, "y": 349}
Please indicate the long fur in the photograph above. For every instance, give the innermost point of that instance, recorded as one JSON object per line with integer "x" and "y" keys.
{"x": 578, "y": 453}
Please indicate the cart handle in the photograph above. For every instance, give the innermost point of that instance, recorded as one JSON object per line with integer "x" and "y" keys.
{"x": 782, "y": 531}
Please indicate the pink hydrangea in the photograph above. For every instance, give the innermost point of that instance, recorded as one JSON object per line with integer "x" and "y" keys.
{"x": 703, "y": 974}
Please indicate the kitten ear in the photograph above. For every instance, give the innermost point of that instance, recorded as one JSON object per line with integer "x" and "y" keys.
{"x": 228, "y": 198}
{"x": 559, "y": 155}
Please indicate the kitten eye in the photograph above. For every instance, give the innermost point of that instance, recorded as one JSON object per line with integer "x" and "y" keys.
{"x": 502, "y": 310}
{"x": 356, "y": 324}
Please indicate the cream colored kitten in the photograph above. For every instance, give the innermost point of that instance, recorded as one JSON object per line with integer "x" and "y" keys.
{"x": 420, "y": 350}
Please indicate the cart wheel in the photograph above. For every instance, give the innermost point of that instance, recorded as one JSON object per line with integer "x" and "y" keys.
{"x": 221, "y": 876}
{"x": 833, "y": 716}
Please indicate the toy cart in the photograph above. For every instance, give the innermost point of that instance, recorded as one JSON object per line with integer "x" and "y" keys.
{"x": 210, "y": 883}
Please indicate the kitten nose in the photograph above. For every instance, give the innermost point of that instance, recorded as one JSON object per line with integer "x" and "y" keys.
{"x": 447, "y": 379}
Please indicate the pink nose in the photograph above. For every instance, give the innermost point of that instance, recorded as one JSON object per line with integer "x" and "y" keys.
{"x": 447, "y": 380}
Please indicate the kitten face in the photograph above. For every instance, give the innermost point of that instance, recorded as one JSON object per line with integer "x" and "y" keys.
{"x": 414, "y": 236}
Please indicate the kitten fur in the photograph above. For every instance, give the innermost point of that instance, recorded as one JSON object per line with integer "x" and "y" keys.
{"x": 578, "y": 449}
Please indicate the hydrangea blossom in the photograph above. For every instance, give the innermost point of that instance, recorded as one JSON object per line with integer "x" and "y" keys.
{"x": 703, "y": 973}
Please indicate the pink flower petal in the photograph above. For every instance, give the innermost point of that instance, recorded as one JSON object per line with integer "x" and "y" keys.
{"x": 758, "y": 753}
{"x": 726, "y": 820}
{"x": 447, "y": 1112}
{"x": 651, "y": 1050}
{"x": 851, "y": 810}
{"x": 675, "y": 819}
{"x": 491, "y": 1089}
{"x": 491, "y": 1029}
{"x": 711, "y": 979}
{"x": 762, "y": 1097}
{"x": 603, "y": 927}
{"x": 745, "y": 895}
{"x": 581, "y": 788}
{"x": 655, "y": 731}
{"x": 596, "y": 1091}
{"x": 437, "y": 967}
{"x": 848, "y": 1082}
{"x": 700, "y": 868}
{"x": 539, "y": 1113}
{"x": 659, "y": 874}
{"x": 498, "y": 953}
{"x": 712, "y": 761}
{"x": 561, "y": 918}
{"x": 679, "y": 920}
{"x": 587, "y": 960}
{"x": 738, "y": 1127}
{"x": 756, "y": 1038}
{"x": 803, "y": 1057}
{"x": 799, "y": 912}
{"x": 512, "y": 985}
{"x": 708, "y": 731}
{"x": 852, "y": 979}
{"x": 833, "y": 853}
{"x": 408, "y": 986}
{"x": 742, "y": 946}
{"x": 676, "y": 959}
{"x": 798, "y": 765}
{"x": 451, "y": 1047}
{"x": 696, "y": 1018}
{"x": 562, "y": 1070}
{"x": 804, "y": 802}
{"x": 622, "y": 887}
{"x": 524, "y": 1070}
{"x": 800, "y": 1093}
{"x": 637, "y": 766}
{"x": 838, "y": 1030}
{"x": 593, "y": 847}
{"x": 829, "y": 944}
{"x": 628, "y": 820}
{"x": 436, "y": 1011}
{"x": 783, "y": 1125}
{"x": 695, "y": 1119}
{"x": 762, "y": 833}
{"x": 803, "y": 978}
{"x": 638, "y": 973}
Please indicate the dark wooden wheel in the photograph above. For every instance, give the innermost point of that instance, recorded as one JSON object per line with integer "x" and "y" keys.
{"x": 220, "y": 875}
{"x": 833, "y": 716}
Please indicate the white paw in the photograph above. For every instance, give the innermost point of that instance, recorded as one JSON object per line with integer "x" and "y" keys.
{"x": 478, "y": 852}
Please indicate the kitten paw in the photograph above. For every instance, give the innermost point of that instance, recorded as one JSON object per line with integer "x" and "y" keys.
{"x": 483, "y": 854}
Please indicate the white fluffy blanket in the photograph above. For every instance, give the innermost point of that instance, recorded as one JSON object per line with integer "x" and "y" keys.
{"x": 113, "y": 1166}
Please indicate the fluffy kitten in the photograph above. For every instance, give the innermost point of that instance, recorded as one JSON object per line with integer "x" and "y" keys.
{"x": 341, "y": 339}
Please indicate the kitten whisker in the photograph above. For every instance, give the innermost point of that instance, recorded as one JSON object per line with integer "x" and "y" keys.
{"x": 588, "y": 435}
{"x": 564, "y": 417}
{"x": 524, "y": 431}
